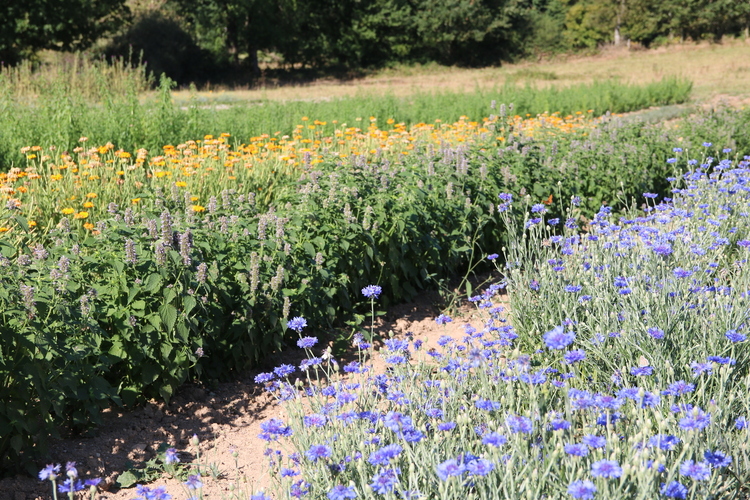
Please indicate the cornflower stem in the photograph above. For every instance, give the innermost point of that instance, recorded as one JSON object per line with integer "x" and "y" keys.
{"x": 372, "y": 320}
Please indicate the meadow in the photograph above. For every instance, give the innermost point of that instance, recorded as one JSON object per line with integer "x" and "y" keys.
{"x": 620, "y": 373}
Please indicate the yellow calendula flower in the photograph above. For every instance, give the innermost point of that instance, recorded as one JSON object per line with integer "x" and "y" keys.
{"x": 180, "y": 184}
{"x": 31, "y": 223}
{"x": 91, "y": 195}
{"x": 88, "y": 204}
{"x": 67, "y": 211}
{"x": 81, "y": 215}
{"x": 199, "y": 208}
{"x": 135, "y": 200}
{"x": 4, "y": 229}
{"x": 193, "y": 198}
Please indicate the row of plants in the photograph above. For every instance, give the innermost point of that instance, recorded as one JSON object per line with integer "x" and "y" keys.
{"x": 621, "y": 372}
{"x": 111, "y": 106}
{"x": 169, "y": 290}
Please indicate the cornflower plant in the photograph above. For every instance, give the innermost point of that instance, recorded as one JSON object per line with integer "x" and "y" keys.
{"x": 623, "y": 375}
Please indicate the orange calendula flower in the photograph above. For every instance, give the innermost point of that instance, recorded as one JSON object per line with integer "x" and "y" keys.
{"x": 88, "y": 226}
{"x": 67, "y": 211}
{"x": 199, "y": 208}
{"x": 81, "y": 215}
{"x": 4, "y": 229}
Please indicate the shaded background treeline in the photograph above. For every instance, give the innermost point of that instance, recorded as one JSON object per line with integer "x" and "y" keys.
{"x": 235, "y": 41}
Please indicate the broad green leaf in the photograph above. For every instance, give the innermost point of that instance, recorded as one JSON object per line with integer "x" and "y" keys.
{"x": 168, "y": 314}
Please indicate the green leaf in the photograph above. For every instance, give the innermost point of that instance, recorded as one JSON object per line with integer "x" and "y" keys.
{"x": 127, "y": 479}
{"x": 153, "y": 283}
{"x": 188, "y": 303}
{"x": 166, "y": 392}
{"x": 168, "y": 314}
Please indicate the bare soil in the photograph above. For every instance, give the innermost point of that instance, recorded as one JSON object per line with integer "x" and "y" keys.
{"x": 226, "y": 419}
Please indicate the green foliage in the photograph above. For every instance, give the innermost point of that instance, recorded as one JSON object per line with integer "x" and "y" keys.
{"x": 32, "y": 25}
{"x": 116, "y": 114}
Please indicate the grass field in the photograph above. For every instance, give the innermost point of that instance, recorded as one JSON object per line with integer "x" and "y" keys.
{"x": 714, "y": 69}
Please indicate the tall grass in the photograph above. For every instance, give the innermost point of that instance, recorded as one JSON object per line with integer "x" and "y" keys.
{"x": 108, "y": 103}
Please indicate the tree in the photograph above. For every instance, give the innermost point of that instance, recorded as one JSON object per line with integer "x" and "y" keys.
{"x": 235, "y": 30}
{"x": 32, "y": 25}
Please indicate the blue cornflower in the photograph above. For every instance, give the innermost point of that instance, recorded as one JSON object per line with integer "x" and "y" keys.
{"x": 412, "y": 435}
{"x": 517, "y": 423}
{"x": 170, "y": 456}
{"x": 720, "y": 360}
{"x": 558, "y": 338}
{"x": 434, "y": 412}
{"x": 606, "y": 468}
{"x": 395, "y": 421}
{"x": 678, "y": 388}
{"x": 696, "y": 420}
{"x": 260, "y": 496}
{"x": 494, "y": 439}
{"x": 286, "y": 472}
{"x": 341, "y": 492}
{"x": 318, "y": 451}
{"x": 50, "y": 472}
{"x": 642, "y": 371}
{"x": 372, "y": 291}
{"x": 451, "y": 467}
{"x": 283, "y": 370}
{"x": 674, "y": 490}
{"x": 656, "y": 333}
{"x": 538, "y": 208}
{"x": 559, "y": 424}
{"x": 717, "y": 458}
{"x": 594, "y": 441}
{"x": 194, "y": 482}
{"x": 582, "y": 489}
{"x": 487, "y": 405}
{"x": 262, "y": 378}
{"x": 697, "y": 471}
{"x": 385, "y": 454}
{"x": 700, "y": 368}
{"x": 577, "y": 450}
{"x": 506, "y": 197}
{"x": 274, "y": 428}
{"x": 307, "y": 342}
{"x": 446, "y": 426}
{"x": 492, "y": 256}
{"x": 297, "y": 323}
{"x": 682, "y": 273}
{"x": 70, "y": 485}
{"x": 574, "y": 356}
{"x": 573, "y": 288}
{"x": 146, "y": 493}
{"x": 384, "y": 481}
{"x": 665, "y": 442}
{"x": 315, "y": 420}
{"x": 443, "y": 319}
{"x": 735, "y": 336}
{"x": 740, "y": 423}
{"x": 707, "y": 144}
{"x": 396, "y": 359}
{"x": 480, "y": 467}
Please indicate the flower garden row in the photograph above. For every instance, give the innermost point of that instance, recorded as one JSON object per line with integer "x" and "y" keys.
{"x": 625, "y": 373}
{"x": 171, "y": 288}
